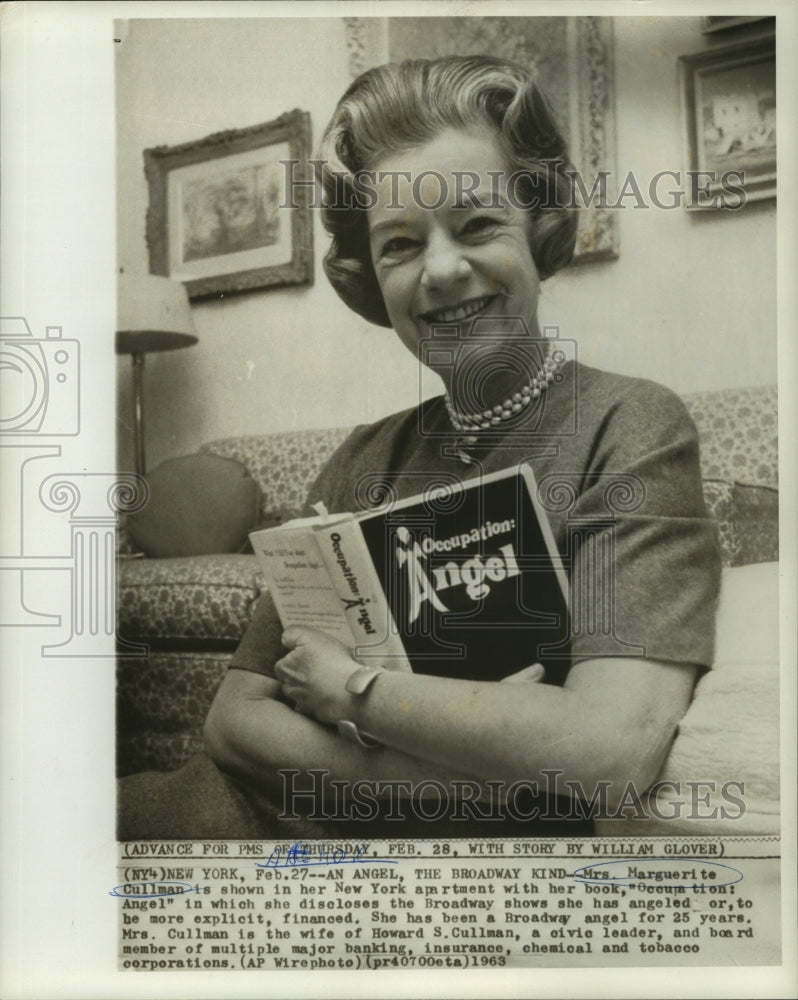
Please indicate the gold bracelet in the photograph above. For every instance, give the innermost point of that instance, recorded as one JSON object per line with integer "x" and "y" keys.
{"x": 350, "y": 732}
{"x": 361, "y": 680}
{"x": 358, "y": 684}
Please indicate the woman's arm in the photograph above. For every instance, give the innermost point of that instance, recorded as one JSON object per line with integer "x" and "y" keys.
{"x": 612, "y": 721}
{"x": 253, "y": 733}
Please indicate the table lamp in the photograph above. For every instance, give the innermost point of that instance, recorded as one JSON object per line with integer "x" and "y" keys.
{"x": 153, "y": 314}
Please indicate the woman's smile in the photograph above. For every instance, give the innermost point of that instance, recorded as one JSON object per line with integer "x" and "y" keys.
{"x": 458, "y": 313}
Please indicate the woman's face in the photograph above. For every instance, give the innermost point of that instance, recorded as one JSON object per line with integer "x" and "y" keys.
{"x": 447, "y": 243}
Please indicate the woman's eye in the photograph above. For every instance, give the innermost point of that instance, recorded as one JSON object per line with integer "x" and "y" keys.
{"x": 397, "y": 246}
{"x": 478, "y": 226}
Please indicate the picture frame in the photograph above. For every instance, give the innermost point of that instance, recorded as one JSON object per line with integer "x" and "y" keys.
{"x": 714, "y": 23}
{"x": 729, "y": 118}
{"x": 218, "y": 218}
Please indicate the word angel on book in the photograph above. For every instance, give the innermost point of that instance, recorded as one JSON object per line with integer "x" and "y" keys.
{"x": 435, "y": 587}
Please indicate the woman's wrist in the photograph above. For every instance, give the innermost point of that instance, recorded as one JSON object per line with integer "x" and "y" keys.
{"x": 358, "y": 685}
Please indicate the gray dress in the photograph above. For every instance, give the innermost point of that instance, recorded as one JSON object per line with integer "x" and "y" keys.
{"x": 617, "y": 466}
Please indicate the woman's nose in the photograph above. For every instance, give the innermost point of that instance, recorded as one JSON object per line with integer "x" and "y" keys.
{"x": 444, "y": 263}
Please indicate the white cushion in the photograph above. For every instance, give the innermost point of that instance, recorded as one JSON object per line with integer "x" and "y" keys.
{"x": 730, "y": 732}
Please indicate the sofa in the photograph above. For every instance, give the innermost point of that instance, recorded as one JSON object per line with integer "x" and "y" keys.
{"x": 187, "y": 614}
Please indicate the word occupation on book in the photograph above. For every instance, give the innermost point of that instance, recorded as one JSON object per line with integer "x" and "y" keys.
{"x": 470, "y": 587}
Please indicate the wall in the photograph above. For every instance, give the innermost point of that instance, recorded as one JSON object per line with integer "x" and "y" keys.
{"x": 690, "y": 302}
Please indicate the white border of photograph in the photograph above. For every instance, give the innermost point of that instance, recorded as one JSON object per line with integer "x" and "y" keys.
{"x": 58, "y": 926}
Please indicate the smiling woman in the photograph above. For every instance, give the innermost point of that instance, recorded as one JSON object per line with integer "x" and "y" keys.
{"x": 459, "y": 226}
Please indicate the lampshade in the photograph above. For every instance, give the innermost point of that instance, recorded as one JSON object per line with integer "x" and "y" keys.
{"x": 147, "y": 303}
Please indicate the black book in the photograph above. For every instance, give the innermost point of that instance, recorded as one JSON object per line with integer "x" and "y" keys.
{"x": 463, "y": 582}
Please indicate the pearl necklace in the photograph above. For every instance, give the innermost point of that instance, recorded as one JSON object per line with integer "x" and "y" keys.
{"x": 511, "y": 406}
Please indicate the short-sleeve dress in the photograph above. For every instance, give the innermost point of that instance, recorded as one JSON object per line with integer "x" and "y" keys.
{"x": 606, "y": 450}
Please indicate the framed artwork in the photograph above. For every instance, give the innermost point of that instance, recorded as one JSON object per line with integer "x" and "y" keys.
{"x": 220, "y": 219}
{"x": 729, "y": 111}
{"x": 572, "y": 58}
{"x": 721, "y": 23}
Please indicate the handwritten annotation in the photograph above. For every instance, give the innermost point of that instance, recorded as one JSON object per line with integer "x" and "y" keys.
{"x": 305, "y": 855}
{"x": 665, "y": 873}
{"x": 151, "y": 890}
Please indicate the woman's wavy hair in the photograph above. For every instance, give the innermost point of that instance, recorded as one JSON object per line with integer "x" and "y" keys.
{"x": 401, "y": 105}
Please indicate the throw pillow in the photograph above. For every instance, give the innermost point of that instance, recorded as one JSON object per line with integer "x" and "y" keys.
{"x": 756, "y": 521}
{"x": 198, "y": 504}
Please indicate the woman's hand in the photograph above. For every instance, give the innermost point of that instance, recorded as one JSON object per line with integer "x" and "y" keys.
{"x": 314, "y": 673}
{"x": 252, "y": 733}
{"x": 536, "y": 673}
